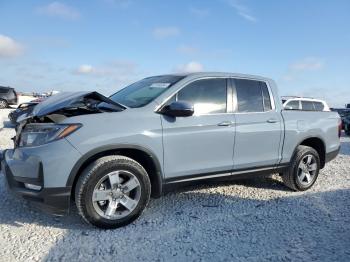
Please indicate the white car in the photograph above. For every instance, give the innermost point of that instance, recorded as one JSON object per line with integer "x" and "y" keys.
{"x": 305, "y": 104}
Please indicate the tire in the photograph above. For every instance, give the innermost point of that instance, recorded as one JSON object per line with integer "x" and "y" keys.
{"x": 3, "y": 104}
{"x": 296, "y": 177}
{"x": 110, "y": 169}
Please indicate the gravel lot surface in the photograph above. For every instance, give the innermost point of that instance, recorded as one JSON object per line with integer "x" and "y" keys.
{"x": 247, "y": 220}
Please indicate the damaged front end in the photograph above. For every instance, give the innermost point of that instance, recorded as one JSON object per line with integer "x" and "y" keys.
{"x": 44, "y": 124}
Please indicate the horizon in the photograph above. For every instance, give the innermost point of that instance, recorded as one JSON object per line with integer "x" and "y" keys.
{"x": 104, "y": 45}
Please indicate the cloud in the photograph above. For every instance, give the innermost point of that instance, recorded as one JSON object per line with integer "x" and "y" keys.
{"x": 304, "y": 65}
{"x": 242, "y": 10}
{"x": 187, "y": 50}
{"x": 112, "y": 69}
{"x": 199, "y": 12}
{"x": 190, "y": 67}
{"x": 165, "y": 32}
{"x": 119, "y": 3}
{"x": 9, "y": 47}
{"x": 58, "y": 9}
{"x": 85, "y": 69}
{"x": 309, "y": 63}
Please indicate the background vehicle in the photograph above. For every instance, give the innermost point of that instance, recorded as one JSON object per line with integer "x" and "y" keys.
{"x": 305, "y": 104}
{"x": 343, "y": 113}
{"x": 8, "y": 97}
{"x": 346, "y": 124}
{"x": 161, "y": 131}
{"x": 347, "y": 106}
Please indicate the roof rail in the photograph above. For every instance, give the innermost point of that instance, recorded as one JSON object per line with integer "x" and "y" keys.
{"x": 297, "y": 97}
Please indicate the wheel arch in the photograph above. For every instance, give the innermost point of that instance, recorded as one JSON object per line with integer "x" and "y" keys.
{"x": 318, "y": 144}
{"x": 140, "y": 154}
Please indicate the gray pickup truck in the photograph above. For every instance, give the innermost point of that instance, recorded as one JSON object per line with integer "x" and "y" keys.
{"x": 109, "y": 155}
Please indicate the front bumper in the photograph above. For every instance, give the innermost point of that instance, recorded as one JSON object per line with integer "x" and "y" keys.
{"x": 46, "y": 167}
{"x": 52, "y": 200}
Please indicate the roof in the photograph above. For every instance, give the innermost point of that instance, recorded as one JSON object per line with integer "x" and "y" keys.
{"x": 221, "y": 74}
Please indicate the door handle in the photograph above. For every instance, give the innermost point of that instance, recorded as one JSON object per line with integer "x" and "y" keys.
{"x": 226, "y": 123}
{"x": 272, "y": 120}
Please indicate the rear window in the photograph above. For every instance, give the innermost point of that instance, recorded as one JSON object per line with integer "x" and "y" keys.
{"x": 292, "y": 105}
{"x": 318, "y": 106}
{"x": 307, "y": 106}
{"x": 4, "y": 90}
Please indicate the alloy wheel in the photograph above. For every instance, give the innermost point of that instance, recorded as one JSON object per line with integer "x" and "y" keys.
{"x": 116, "y": 194}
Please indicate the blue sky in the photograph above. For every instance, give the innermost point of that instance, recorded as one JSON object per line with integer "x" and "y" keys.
{"x": 105, "y": 44}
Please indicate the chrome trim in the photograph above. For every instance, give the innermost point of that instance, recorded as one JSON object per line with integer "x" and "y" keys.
{"x": 231, "y": 78}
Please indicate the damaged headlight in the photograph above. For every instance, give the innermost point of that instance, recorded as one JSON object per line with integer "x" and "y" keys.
{"x": 39, "y": 134}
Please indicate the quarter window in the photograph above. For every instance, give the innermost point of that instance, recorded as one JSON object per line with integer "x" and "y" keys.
{"x": 208, "y": 96}
{"x": 252, "y": 96}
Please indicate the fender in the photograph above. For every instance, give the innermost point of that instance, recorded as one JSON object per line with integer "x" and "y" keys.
{"x": 112, "y": 147}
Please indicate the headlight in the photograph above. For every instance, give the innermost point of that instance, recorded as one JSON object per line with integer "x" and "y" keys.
{"x": 39, "y": 134}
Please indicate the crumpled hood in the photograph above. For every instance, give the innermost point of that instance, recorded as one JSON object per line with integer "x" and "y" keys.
{"x": 67, "y": 100}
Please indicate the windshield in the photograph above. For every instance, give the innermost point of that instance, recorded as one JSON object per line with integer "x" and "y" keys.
{"x": 144, "y": 91}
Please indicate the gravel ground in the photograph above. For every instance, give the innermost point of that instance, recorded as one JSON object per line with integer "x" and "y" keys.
{"x": 247, "y": 220}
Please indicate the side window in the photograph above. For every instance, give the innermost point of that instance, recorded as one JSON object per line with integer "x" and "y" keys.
{"x": 3, "y": 90}
{"x": 208, "y": 96}
{"x": 307, "y": 106}
{"x": 252, "y": 96}
{"x": 318, "y": 106}
{"x": 292, "y": 105}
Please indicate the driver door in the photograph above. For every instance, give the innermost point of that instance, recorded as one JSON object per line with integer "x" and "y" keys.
{"x": 202, "y": 143}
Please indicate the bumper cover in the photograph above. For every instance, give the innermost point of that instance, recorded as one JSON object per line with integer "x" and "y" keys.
{"x": 52, "y": 200}
{"x": 331, "y": 155}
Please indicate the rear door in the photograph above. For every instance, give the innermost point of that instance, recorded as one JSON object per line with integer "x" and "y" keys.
{"x": 258, "y": 125}
{"x": 202, "y": 143}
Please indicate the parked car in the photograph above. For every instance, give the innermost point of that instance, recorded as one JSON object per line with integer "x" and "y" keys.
{"x": 1, "y": 123}
{"x": 346, "y": 124}
{"x": 8, "y": 96}
{"x": 22, "y": 109}
{"x": 110, "y": 155}
{"x": 343, "y": 113}
{"x": 305, "y": 104}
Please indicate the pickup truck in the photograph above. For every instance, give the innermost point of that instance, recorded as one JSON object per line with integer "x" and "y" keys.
{"x": 110, "y": 155}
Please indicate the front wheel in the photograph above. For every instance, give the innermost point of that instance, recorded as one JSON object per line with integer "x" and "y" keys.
{"x": 303, "y": 170}
{"x": 3, "y": 104}
{"x": 112, "y": 192}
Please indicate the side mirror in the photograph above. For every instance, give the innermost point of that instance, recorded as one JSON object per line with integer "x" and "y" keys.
{"x": 178, "y": 108}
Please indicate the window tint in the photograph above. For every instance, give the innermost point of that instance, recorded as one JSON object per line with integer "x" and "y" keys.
{"x": 318, "y": 106}
{"x": 208, "y": 96}
{"x": 292, "y": 105}
{"x": 252, "y": 96}
{"x": 144, "y": 91}
{"x": 3, "y": 90}
{"x": 307, "y": 106}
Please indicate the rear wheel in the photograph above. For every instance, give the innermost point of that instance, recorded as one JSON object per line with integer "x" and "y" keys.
{"x": 304, "y": 169}
{"x": 112, "y": 192}
{"x": 3, "y": 104}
